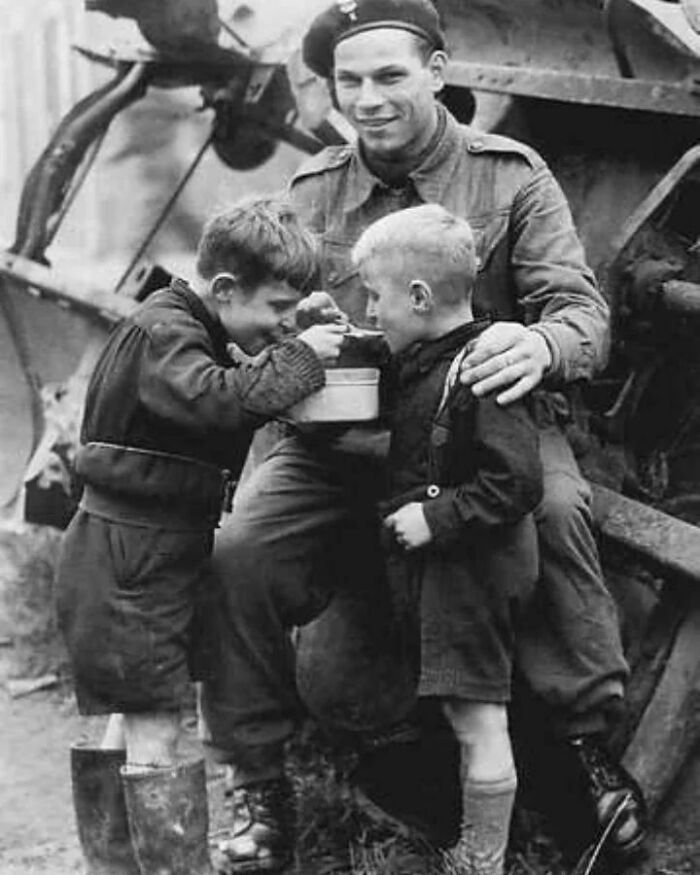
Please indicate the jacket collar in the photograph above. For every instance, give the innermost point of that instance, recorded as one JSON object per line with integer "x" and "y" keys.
{"x": 194, "y": 304}
{"x": 422, "y": 356}
{"x": 431, "y": 178}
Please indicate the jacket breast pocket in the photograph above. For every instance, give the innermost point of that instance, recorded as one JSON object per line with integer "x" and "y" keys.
{"x": 493, "y": 291}
{"x": 489, "y": 230}
{"x": 341, "y": 279}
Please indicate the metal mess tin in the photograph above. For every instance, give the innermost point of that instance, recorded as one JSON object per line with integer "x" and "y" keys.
{"x": 350, "y": 395}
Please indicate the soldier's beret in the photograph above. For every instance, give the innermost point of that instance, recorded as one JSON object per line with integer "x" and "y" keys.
{"x": 348, "y": 17}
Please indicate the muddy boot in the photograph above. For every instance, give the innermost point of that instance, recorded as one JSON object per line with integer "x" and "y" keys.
{"x": 100, "y": 811}
{"x": 169, "y": 819}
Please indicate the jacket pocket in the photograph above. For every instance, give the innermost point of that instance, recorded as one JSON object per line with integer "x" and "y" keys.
{"x": 489, "y": 230}
{"x": 337, "y": 261}
{"x": 341, "y": 279}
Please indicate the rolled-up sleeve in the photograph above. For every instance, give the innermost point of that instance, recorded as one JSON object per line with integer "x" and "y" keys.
{"x": 555, "y": 286}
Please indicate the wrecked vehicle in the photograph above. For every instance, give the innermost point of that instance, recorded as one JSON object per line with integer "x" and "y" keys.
{"x": 609, "y": 93}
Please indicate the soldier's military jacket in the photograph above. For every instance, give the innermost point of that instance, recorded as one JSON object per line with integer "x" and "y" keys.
{"x": 532, "y": 264}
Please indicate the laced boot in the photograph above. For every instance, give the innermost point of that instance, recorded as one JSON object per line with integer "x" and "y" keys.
{"x": 100, "y": 811}
{"x": 261, "y": 837}
{"x": 611, "y": 791}
{"x": 169, "y": 818}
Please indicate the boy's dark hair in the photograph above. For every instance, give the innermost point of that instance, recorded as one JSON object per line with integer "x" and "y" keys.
{"x": 258, "y": 239}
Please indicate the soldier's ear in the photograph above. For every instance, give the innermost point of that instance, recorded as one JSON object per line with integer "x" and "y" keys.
{"x": 420, "y": 296}
{"x": 437, "y": 63}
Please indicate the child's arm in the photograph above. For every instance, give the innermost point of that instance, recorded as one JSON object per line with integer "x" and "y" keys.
{"x": 508, "y": 479}
{"x": 181, "y": 381}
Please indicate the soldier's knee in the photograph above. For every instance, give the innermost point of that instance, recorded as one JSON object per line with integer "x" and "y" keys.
{"x": 565, "y": 506}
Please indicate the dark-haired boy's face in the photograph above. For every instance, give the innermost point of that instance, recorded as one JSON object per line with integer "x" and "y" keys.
{"x": 255, "y": 319}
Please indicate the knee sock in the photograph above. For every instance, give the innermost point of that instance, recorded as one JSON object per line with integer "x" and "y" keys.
{"x": 487, "y": 807}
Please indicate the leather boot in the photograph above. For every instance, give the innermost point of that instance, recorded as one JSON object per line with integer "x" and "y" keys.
{"x": 169, "y": 819}
{"x": 261, "y": 835}
{"x": 609, "y": 788}
{"x": 100, "y": 811}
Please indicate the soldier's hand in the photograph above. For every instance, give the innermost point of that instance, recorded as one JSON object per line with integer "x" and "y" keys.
{"x": 507, "y": 356}
{"x": 317, "y": 308}
{"x": 325, "y": 340}
{"x": 409, "y": 526}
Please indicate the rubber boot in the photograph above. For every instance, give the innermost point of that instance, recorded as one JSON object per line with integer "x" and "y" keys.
{"x": 100, "y": 811}
{"x": 169, "y": 819}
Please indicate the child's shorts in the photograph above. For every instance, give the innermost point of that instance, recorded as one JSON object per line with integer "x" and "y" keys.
{"x": 131, "y": 603}
{"x": 471, "y": 601}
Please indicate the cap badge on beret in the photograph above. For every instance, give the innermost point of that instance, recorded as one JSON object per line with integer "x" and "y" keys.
{"x": 349, "y": 8}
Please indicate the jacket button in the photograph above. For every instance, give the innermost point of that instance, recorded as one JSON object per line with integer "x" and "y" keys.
{"x": 476, "y": 146}
{"x": 432, "y": 491}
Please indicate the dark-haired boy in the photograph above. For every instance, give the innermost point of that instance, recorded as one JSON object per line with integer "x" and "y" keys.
{"x": 464, "y": 477}
{"x": 169, "y": 417}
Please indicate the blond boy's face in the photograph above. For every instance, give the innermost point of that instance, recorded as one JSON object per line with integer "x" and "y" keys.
{"x": 255, "y": 319}
{"x": 389, "y": 304}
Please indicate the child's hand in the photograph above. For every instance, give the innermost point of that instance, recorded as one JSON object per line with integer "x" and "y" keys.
{"x": 318, "y": 308}
{"x": 325, "y": 340}
{"x": 409, "y": 526}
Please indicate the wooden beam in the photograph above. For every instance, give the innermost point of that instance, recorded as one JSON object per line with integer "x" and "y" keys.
{"x": 48, "y": 282}
{"x": 670, "y": 543}
{"x": 670, "y": 726}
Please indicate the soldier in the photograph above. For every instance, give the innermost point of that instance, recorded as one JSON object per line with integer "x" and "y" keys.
{"x": 385, "y": 60}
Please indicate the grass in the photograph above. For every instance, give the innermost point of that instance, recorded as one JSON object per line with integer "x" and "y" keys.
{"x": 340, "y": 833}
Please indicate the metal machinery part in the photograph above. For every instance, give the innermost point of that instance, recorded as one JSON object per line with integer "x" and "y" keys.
{"x": 608, "y": 93}
{"x": 253, "y": 110}
{"x": 45, "y": 190}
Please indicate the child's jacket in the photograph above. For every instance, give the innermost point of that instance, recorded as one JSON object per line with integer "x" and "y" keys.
{"x": 169, "y": 416}
{"x": 475, "y": 467}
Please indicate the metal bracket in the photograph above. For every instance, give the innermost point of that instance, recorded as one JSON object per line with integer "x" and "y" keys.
{"x": 661, "y": 98}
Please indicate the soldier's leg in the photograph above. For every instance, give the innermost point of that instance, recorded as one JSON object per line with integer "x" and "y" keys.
{"x": 284, "y": 520}
{"x": 263, "y": 561}
{"x": 570, "y": 651}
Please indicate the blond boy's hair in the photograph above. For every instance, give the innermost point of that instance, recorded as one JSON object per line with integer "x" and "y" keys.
{"x": 427, "y": 243}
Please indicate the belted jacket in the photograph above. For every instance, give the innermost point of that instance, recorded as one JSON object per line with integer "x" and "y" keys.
{"x": 169, "y": 415}
{"x": 532, "y": 265}
{"x": 475, "y": 468}
{"x": 473, "y": 464}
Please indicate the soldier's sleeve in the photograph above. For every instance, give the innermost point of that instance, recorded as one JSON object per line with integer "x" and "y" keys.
{"x": 181, "y": 382}
{"x": 556, "y": 287}
{"x": 507, "y": 483}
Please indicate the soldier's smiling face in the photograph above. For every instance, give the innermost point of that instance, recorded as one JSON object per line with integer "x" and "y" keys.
{"x": 386, "y": 83}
